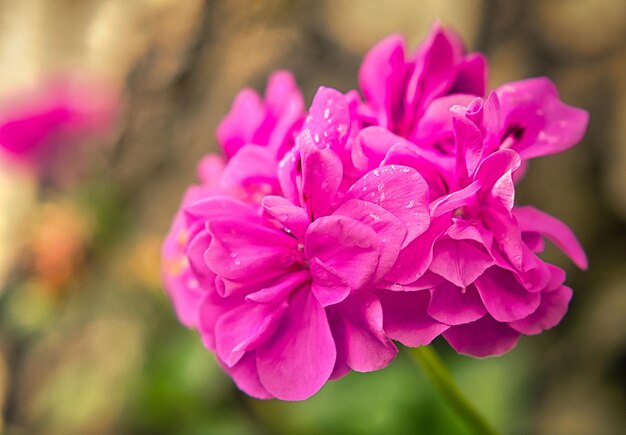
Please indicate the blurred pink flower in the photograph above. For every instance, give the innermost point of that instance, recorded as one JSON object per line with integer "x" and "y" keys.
{"x": 35, "y": 123}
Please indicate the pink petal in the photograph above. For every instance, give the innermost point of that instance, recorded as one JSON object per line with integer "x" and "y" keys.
{"x": 285, "y": 101}
{"x": 469, "y": 144}
{"x": 328, "y": 287}
{"x": 329, "y": 119}
{"x": 482, "y": 338}
{"x": 451, "y": 305}
{"x": 357, "y": 326}
{"x": 460, "y": 261}
{"x": 241, "y": 123}
{"x": 253, "y": 168}
{"x": 245, "y": 375}
{"x": 292, "y": 217}
{"x": 243, "y": 250}
{"x": 455, "y": 200}
{"x": 434, "y": 67}
{"x": 388, "y": 228}
{"x": 471, "y": 76}
{"x": 436, "y": 122}
{"x": 210, "y": 169}
{"x": 280, "y": 288}
{"x": 556, "y": 125}
{"x": 532, "y": 220}
{"x": 415, "y": 258}
{"x": 244, "y": 328}
{"x": 347, "y": 249}
{"x": 495, "y": 174}
{"x": 382, "y": 73}
{"x": 408, "y": 154}
{"x": 370, "y": 147}
{"x": 550, "y": 312}
{"x": 505, "y": 299}
{"x": 322, "y": 172}
{"x": 398, "y": 189}
{"x": 405, "y": 318}
{"x": 300, "y": 356}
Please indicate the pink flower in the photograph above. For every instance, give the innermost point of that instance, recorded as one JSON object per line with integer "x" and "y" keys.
{"x": 35, "y": 123}
{"x": 290, "y": 301}
{"x": 474, "y": 274}
{"x": 392, "y": 218}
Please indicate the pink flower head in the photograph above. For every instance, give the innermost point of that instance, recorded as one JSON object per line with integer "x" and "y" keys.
{"x": 329, "y": 234}
{"x": 272, "y": 123}
{"x": 290, "y": 297}
{"x": 399, "y": 89}
{"x": 478, "y": 258}
{"x": 57, "y": 113}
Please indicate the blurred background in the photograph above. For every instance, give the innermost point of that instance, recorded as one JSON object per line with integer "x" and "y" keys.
{"x": 89, "y": 343}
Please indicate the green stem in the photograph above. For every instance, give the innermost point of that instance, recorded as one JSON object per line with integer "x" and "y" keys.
{"x": 441, "y": 378}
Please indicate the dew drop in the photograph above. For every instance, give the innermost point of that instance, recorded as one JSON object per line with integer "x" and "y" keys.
{"x": 397, "y": 287}
{"x": 237, "y": 262}
{"x": 411, "y": 204}
{"x": 316, "y": 138}
{"x": 326, "y": 113}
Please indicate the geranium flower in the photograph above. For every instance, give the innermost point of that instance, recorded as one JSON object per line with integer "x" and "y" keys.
{"x": 391, "y": 218}
{"x": 291, "y": 304}
{"x": 485, "y": 283}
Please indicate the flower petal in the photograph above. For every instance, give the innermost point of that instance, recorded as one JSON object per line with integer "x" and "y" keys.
{"x": 405, "y": 318}
{"x": 551, "y": 310}
{"x": 398, "y": 189}
{"x": 322, "y": 172}
{"x": 451, "y": 305}
{"x": 505, "y": 299}
{"x": 357, "y": 326}
{"x": 388, "y": 228}
{"x": 347, "y": 249}
{"x": 482, "y": 338}
{"x": 241, "y": 249}
{"x": 240, "y": 124}
{"x": 296, "y": 362}
{"x": 293, "y": 218}
{"x": 460, "y": 261}
{"x": 244, "y": 328}
{"x": 245, "y": 375}
{"x": 531, "y": 219}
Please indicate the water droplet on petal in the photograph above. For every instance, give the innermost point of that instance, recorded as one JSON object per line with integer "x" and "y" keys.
{"x": 326, "y": 113}
{"x": 397, "y": 287}
{"x": 410, "y": 204}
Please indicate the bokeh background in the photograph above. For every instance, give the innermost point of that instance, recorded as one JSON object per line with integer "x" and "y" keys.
{"x": 88, "y": 341}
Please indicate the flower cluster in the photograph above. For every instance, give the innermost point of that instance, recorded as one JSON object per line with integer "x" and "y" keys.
{"x": 323, "y": 236}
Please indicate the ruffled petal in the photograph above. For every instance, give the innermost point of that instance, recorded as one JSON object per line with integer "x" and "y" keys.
{"x": 531, "y": 219}
{"x": 388, "y": 228}
{"x": 357, "y": 326}
{"x": 551, "y": 311}
{"x": 505, "y": 299}
{"x": 405, "y": 318}
{"x": 346, "y": 249}
{"x": 400, "y": 190}
{"x": 482, "y": 338}
{"x": 296, "y": 362}
{"x": 452, "y": 305}
{"x": 241, "y": 250}
{"x": 293, "y": 218}
{"x": 243, "y": 328}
